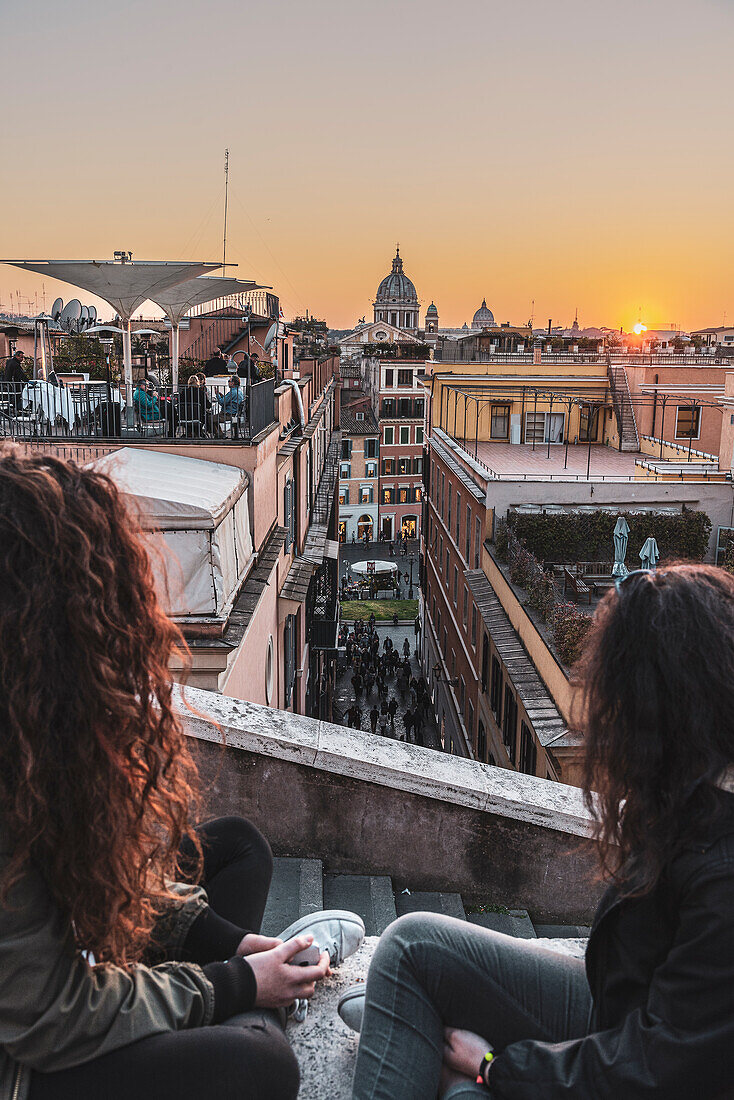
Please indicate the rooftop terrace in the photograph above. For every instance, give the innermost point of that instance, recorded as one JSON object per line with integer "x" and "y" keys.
{"x": 522, "y": 461}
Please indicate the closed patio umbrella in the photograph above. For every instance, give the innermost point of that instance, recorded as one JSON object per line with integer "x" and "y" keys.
{"x": 649, "y": 554}
{"x": 621, "y": 534}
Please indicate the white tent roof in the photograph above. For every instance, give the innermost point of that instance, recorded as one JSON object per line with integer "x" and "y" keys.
{"x": 172, "y": 491}
{"x": 177, "y": 300}
{"x": 360, "y": 567}
{"x": 125, "y": 286}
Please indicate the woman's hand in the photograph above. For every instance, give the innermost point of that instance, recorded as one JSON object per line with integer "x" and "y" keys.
{"x": 279, "y": 982}
{"x": 463, "y": 1051}
{"x": 252, "y": 944}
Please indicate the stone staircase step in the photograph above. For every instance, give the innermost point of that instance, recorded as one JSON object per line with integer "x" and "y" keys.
{"x": 371, "y": 896}
{"x": 295, "y": 891}
{"x": 562, "y": 931}
{"x": 450, "y": 905}
{"x": 513, "y": 922}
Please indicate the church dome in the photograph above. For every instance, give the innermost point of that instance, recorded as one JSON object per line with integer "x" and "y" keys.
{"x": 397, "y": 287}
{"x": 432, "y": 311}
{"x": 483, "y": 318}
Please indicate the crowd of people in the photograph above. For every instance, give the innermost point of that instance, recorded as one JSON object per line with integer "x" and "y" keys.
{"x": 373, "y": 667}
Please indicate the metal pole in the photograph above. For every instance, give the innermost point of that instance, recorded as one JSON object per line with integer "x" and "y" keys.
{"x": 535, "y": 415}
{"x": 588, "y": 457}
{"x": 174, "y": 358}
{"x": 690, "y": 436}
{"x": 127, "y": 361}
{"x": 662, "y": 423}
{"x": 35, "y": 349}
{"x": 226, "y": 195}
{"x": 550, "y": 421}
{"x": 568, "y": 432}
{"x": 476, "y": 436}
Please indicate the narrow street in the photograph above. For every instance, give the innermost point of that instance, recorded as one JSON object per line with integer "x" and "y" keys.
{"x": 344, "y": 693}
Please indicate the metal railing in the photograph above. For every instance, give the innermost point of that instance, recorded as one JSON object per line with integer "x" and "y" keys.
{"x": 659, "y": 358}
{"x": 91, "y": 410}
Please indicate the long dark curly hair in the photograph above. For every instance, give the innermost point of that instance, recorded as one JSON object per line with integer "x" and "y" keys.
{"x": 656, "y": 703}
{"x": 97, "y": 786}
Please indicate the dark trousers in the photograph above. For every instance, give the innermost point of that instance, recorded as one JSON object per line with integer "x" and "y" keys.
{"x": 246, "y": 1058}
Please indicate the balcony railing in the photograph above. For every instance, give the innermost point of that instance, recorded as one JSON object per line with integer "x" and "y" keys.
{"x": 41, "y": 410}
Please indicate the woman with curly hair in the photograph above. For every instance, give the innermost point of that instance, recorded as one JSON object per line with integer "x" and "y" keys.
{"x": 111, "y": 969}
{"x": 470, "y": 1012}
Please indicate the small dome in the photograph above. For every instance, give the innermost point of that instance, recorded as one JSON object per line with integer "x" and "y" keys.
{"x": 432, "y": 311}
{"x": 483, "y": 318}
{"x": 396, "y": 287}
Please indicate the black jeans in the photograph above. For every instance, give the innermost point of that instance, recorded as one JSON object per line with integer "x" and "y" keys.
{"x": 246, "y": 1058}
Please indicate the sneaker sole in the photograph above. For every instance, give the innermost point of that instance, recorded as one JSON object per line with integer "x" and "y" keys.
{"x": 351, "y": 995}
{"x": 302, "y": 923}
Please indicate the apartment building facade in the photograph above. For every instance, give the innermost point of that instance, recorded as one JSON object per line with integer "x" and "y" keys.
{"x": 490, "y": 702}
{"x": 359, "y": 474}
{"x": 399, "y": 401}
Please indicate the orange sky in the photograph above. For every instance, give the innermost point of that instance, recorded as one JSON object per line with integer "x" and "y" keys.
{"x": 575, "y": 153}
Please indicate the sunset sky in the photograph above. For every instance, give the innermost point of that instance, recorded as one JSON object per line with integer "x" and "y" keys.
{"x": 576, "y": 153}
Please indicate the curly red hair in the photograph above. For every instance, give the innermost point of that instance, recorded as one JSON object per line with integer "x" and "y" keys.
{"x": 97, "y": 784}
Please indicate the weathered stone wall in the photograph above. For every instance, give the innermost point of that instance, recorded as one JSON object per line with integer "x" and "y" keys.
{"x": 370, "y": 805}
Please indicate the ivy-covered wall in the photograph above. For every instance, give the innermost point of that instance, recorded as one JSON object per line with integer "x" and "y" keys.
{"x": 589, "y": 536}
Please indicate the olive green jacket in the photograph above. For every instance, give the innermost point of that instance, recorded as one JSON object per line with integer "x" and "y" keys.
{"x": 57, "y": 1011}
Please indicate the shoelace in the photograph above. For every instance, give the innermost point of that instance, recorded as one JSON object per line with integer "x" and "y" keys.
{"x": 298, "y": 1011}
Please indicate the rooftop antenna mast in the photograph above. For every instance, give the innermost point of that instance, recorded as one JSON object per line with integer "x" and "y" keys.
{"x": 226, "y": 195}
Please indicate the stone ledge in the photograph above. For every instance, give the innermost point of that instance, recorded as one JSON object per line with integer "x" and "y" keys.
{"x": 402, "y": 767}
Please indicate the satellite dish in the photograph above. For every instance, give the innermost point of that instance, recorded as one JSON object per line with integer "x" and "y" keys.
{"x": 74, "y": 309}
{"x": 56, "y": 308}
{"x": 92, "y": 314}
{"x": 272, "y": 333}
{"x": 84, "y": 317}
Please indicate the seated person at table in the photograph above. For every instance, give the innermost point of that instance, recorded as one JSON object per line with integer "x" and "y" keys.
{"x": 230, "y": 402}
{"x": 193, "y": 404}
{"x": 145, "y": 400}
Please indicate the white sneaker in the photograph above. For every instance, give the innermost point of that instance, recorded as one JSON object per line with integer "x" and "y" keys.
{"x": 351, "y": 1006}
{"x": 334, "y": 930}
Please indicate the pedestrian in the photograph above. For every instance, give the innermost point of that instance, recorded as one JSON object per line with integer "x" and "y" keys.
{"x": 406, "y": 648}
{"x": 357, "y": 684}
{"x": 395, "y": 619}
{"x": 392, "y": 707}
{"x": 372, "y": 621}
{"x": 417, "y": 626}
{"x": 374, "y": 715}
{"x": 384, "y": 725}
{"x": 408, "y": 723}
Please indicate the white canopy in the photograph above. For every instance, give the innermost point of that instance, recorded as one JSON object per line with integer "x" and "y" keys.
{"x": 177, "y": 300}
{"x": 201, "y": 511}
{"x": 360, "y": 567}
{"x": 124, "y": 285}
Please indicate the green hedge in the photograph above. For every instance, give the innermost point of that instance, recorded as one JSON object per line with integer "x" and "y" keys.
{"x": 589, "y": 536}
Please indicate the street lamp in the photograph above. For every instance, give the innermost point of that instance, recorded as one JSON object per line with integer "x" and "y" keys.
{"x": 410, "y": 592}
